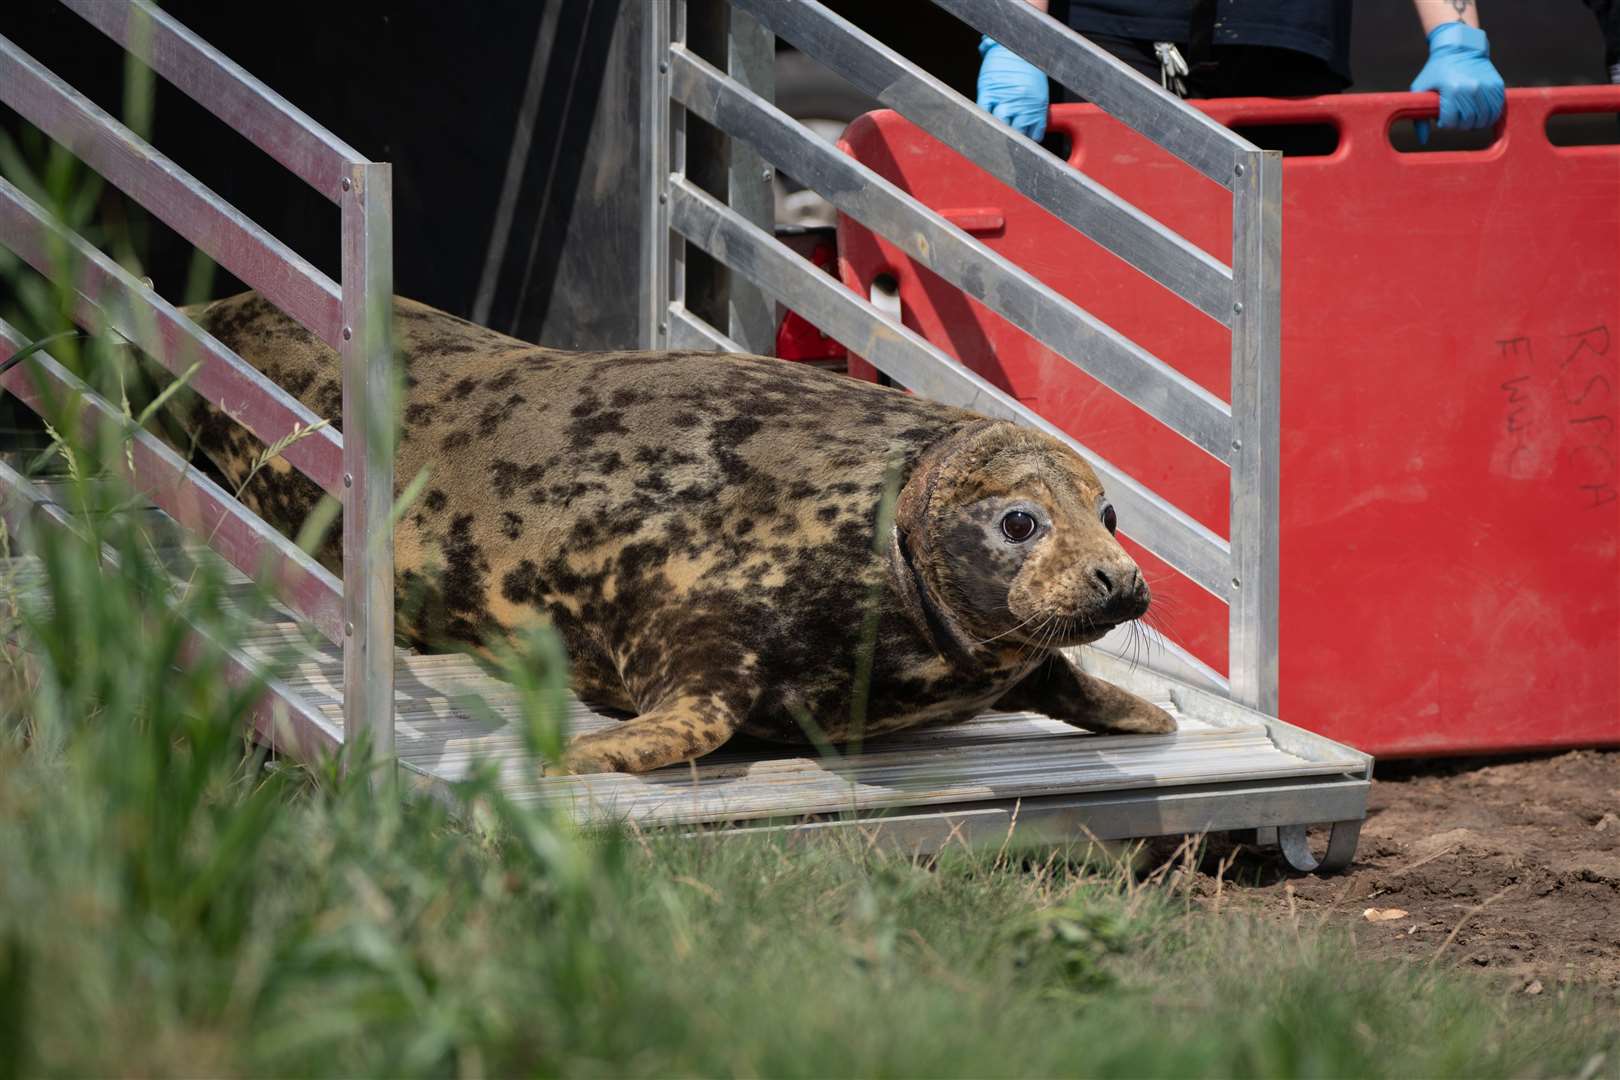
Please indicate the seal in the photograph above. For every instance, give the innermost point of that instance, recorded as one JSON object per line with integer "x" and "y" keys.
{"x": 711, "y": 535}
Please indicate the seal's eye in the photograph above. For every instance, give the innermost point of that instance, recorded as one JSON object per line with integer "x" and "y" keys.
{"x": 1018, "y": 526}
{"x": 1110, "y": 522}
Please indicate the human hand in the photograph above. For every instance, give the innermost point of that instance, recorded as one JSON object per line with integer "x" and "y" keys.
{"x": 1012, "y": 89}
{"x": 1460, "y": 71}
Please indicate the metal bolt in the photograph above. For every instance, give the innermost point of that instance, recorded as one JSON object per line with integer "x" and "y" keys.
{"x": 663, "y": 197}
{"x": 663, "y": 65}
{"x": 348, "y": 480}
{"x": 663, "y": 328}
{"x": 766, "y": 176}
{"x": 1236, "y": 584}
{"x": 1237, "y": 444}
{"x": 348, "y": 628}
{"x": 1238, "y": 170}
{"x": 348, "y": 332}
{"x": 1237, "y": 308}
{"x": 347, "y": 183}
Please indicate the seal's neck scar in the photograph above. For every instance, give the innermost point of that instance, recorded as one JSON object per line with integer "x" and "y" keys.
{"x": 940, "y": 630}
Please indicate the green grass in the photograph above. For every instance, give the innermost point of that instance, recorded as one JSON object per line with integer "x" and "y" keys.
{"x": 170, "y": 904}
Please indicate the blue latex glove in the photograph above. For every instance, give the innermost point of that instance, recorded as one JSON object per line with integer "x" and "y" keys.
{"x": 1012, "y": 89}
{"x": 1460, "y": 71}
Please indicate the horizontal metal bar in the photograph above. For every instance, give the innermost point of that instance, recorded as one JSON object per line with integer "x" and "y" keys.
{"x": 195, "y": 501}
{"x": 111, "y": 295}
{"x": 687, "y": 331}
{"x": 262, "y": 116}
{"x": 1287, "y": 737}
{"x": 281, "y": 717}
{"x": 177, "y": 198}
{"x": 1218, "y": 709}
{"x": 1012, "y": 292}
{"x": 904, "y": 356}
{"x": 1114, "y": 224}
{"x": 1075, "y": 819}
{"x": 1211, "y": 148}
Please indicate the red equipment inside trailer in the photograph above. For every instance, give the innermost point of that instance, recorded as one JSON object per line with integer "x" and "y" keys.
{"x": 1451, "y": 393}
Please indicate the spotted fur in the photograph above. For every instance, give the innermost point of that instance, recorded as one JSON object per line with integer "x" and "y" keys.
{"x": 700, "y": 528}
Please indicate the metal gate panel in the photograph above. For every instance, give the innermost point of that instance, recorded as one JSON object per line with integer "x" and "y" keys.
{"x": 1239, "y": 430}
{"x": 1449, "y": 519}
{"x": 355, "y": 316}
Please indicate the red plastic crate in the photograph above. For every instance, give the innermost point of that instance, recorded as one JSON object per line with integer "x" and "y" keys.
{"x": 1451, "y": 391}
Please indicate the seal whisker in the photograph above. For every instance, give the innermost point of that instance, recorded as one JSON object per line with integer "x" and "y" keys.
{"x": 1166, "y": 628}
{"x": 1054, "y": 632}
{"x": 1139, "y": 643}
{"x": 1037, "y": 643}
{"x": 1046, "y": 635}
{"x": 1026, "y": 648}
{"x": 1004, "y": 633}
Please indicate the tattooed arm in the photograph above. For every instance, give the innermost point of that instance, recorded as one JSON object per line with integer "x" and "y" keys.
{"x": 1433, "y": 13}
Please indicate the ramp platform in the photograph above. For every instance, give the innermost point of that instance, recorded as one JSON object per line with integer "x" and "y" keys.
{"x": 1001, "y": 778}
{"x": 1225, "y": 768}
{"x": 1024, "y": 775}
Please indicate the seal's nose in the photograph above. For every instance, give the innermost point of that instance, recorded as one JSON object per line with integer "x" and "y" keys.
{"x": 1124, "y": 595}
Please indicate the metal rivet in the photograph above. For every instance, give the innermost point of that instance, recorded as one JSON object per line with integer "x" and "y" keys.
{"x": 663, "y": 65}
{"x": 348, "y": 628}
{"x": 663, "y": 197}
{"x": 347, "y": 183}
{"x": 1236, "y": 584}
{"x": 766, "y": 176}
{"x": 1237, "y": 444}
{"x": 1239, "y": 170}
{"x": 1237, "y": 308}
{"x": 663, "y": 328}
{"x": 348, "y": 480}
{"x": 348, "y": 332}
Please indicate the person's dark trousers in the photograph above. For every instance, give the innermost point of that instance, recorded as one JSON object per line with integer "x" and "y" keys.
{"x": 1236, "y": 71}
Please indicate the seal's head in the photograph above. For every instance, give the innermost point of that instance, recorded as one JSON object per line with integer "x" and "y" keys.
{"x": 1004, "y": 534}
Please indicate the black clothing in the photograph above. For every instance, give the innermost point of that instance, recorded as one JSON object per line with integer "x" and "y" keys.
{"x": 1233, "y": 70}
{"x": 1237, "y": 71}
{"x": 1608, "y": 17}
{"x": 1205, "y": 30}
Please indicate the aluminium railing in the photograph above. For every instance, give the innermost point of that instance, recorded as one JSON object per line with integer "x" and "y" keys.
{"x": 1243, "y": 297}
{"x": 353, "y": 315}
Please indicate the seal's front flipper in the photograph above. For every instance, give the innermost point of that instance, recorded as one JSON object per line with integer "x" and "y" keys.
{"x": 1060, "y": 690}
{"x": 683, "y": 727}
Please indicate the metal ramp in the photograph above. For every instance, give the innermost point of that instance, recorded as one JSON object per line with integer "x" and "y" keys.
{"x": 1232, "y": 766}
{"x": 1002, "y": 778}
{"x": 1226, "y": 768}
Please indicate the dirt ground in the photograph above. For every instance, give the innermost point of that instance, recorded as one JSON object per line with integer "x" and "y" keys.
{"x": 1523, "y": 855}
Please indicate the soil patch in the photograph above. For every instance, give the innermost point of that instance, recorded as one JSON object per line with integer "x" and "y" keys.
{"x": 1523, "y": 855}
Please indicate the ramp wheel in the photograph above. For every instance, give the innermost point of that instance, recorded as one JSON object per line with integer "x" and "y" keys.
{"x": 1341, "y": 847}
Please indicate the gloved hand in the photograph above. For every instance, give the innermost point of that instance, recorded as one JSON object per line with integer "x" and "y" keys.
{"x": 1012, "y": 89}
{"x": 1460, "y": 70}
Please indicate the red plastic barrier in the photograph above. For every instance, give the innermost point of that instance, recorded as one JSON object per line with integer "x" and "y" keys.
{"x": 1451, "y": 391}
{"x": 796, "y": 337}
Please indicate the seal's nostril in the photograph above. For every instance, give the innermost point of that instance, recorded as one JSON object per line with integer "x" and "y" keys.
{"x": 1124, "y": 591}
